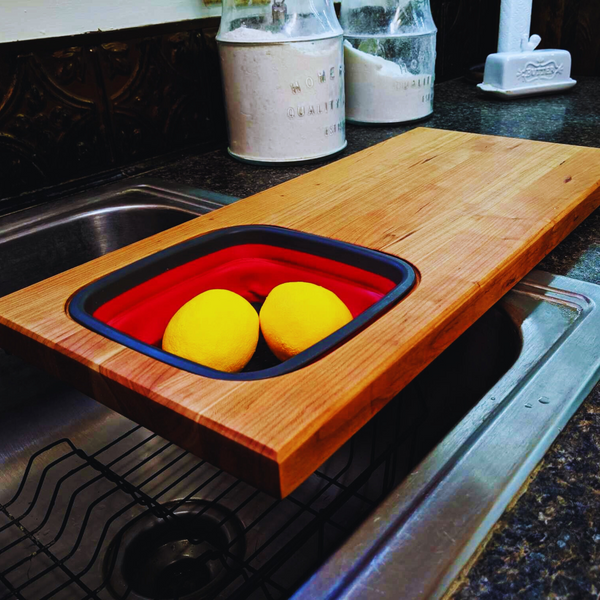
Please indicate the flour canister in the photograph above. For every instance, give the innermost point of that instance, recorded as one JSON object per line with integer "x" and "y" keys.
{"x": 283, "y": 78}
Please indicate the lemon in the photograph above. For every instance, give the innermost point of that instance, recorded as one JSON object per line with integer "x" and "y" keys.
{"x": 218, "y": 329}
{"x": 297, "y": 315}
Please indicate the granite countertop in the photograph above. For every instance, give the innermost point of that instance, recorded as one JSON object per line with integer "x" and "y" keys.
{"x": 547, "y": 544}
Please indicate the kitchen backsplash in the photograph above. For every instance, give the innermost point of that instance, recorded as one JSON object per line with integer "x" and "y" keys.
{"x": 71, "y": 108}
{"x": 91, "y": 106}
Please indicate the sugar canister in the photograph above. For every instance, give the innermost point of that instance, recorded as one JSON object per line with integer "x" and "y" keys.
{"x": 389, "y": 51}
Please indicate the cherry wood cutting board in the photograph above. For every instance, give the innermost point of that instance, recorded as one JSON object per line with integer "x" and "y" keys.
{"x": 472, "y": 213}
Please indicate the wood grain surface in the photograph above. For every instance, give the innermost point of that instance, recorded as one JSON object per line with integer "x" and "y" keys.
{"x": 472, "y": 213}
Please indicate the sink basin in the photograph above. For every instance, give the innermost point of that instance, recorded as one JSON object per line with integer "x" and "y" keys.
{"x": 43, "y": 241}
{"x": 94, "y": 506}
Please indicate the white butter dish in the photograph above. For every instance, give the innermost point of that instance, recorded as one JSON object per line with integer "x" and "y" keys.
{"x": 515, "y": 74}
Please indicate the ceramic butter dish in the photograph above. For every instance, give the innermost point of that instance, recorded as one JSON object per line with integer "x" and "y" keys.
{"x": 514, "y": 74}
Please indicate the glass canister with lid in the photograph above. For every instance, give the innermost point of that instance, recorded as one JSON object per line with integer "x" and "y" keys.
{"x": 283, "y": 79}
{"x": 389, "y": 52}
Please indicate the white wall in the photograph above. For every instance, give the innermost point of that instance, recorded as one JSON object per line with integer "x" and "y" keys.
{"x": 32, "y": 19}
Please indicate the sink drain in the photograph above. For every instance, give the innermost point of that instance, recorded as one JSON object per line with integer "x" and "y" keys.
{"x": 189, "y": 555}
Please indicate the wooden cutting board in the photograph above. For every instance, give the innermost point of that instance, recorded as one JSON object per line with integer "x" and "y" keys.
{"x": 472, "y": 213}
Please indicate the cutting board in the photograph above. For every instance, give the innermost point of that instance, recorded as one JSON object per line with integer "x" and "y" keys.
{"x": 473, "y": 214}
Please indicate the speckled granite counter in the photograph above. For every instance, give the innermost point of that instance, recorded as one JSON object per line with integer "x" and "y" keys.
{"x": 547, "y": 545}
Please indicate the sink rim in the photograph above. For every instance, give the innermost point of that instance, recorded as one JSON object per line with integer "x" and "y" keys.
{"x": 116, "y": 196}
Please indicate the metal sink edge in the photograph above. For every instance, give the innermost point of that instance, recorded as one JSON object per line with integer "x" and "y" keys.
{"x": 112, "y": 197}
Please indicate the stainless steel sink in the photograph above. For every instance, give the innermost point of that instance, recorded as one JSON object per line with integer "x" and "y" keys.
{"x": 94, "y": 506}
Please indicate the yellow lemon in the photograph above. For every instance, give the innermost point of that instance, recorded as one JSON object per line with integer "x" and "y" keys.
{"x": 297, "y": 315}
{"x": 218, "y": 329}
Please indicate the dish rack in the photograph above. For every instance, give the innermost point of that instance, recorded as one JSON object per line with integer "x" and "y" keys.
{"x": 141, "y": 518}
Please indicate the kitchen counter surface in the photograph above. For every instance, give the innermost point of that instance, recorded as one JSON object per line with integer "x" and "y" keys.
{"x": 547, "y": 544}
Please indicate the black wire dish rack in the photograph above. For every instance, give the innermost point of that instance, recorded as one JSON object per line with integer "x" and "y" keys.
{"x": 141, "y": 518}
